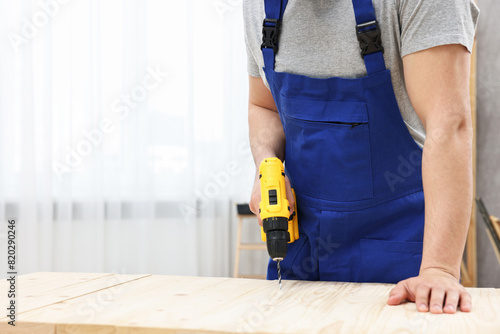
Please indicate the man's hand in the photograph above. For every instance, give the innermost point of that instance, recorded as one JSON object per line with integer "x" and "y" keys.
{"x": 434, "y": 290}
{"x": 256, "y": 196}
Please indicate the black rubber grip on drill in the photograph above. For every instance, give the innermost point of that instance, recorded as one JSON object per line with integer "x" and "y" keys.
{"x": 277, "y": 236}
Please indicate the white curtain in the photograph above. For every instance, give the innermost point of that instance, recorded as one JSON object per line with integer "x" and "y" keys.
{"x": 123, "y": 134}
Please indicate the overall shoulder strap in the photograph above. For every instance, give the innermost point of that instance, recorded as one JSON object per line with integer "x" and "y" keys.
{"x": 367, "y": 31}
{"x": 369, "y": 36}
{"x": 271, "y": 30}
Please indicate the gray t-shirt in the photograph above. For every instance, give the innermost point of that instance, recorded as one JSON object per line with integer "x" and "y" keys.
{"x": 318, "y": 39}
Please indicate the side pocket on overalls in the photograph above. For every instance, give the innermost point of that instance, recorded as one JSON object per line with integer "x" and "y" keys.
{"x": 387, "y": 261}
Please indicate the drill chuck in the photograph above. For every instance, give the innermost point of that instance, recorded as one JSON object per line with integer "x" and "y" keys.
{"x": 277, "y": 236}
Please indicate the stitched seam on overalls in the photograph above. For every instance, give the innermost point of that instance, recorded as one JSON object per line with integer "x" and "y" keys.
{"x": 358, "y": 208}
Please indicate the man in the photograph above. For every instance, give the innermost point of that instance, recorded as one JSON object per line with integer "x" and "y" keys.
{"x": 357, "y": 89}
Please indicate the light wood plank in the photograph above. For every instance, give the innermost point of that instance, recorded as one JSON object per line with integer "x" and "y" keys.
{"x": 50, "y": 288}
{"x": 253, "y": 276}
{"x": 172, "y": 304}
{"x": 32, "y": 283}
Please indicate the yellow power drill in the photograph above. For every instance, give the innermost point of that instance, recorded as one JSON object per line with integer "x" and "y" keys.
{"x": 278, "y": 227}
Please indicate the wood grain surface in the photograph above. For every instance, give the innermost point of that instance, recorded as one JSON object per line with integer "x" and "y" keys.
{"x": 76, "y": 303}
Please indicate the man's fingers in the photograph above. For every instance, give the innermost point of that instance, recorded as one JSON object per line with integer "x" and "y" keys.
{"x": 436, "y": 294}
{"x": 397, "y": 295}
{"x": 437, "y": 300}
{"x": 252, "y": 206}
{"x": 422, "y": 297}
{"x": 255, "y": 200}
{"x": 289, "y": 194}
{"x": 452, "y": 297}
{"x": 465, "y": 301}
{"x": 255, "y": 209}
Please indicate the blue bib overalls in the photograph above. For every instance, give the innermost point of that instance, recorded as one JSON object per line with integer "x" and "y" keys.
{"x": 355, "y": 168}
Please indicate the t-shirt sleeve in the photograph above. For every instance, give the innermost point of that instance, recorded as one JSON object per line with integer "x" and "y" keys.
{"x": 252, "y": 66}
{"x": 250, "y": 14}
{"x": 428, "y": 23}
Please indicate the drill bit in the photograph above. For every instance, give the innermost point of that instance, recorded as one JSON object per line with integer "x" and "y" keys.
{"x": 279, "y": 273}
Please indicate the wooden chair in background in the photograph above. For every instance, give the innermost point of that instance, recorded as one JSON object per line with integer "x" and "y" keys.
{"x": 492, "y": 227}
{"x": 244, "y": 213}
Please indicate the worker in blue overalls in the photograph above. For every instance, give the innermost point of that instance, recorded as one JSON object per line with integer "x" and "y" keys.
{"x": 352, "y": 142}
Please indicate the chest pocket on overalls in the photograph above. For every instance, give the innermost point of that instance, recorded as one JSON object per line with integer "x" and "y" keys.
{"x": 328, "y": 148}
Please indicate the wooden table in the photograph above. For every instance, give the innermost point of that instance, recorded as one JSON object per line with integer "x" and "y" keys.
{"x": 107, "y": 303}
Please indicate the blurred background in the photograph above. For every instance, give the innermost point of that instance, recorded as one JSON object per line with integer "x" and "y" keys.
{"x": 124, "y": 138}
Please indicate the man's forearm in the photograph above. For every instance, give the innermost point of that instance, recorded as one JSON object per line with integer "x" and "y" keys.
{"x": 437, "y": 81}
{"x": 267, "y": 138}
{"x": 447, "y": 181}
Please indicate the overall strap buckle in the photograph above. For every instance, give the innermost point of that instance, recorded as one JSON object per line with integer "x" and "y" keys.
{"x": 270, "y": 34}
{"x": 369, "y": 38}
